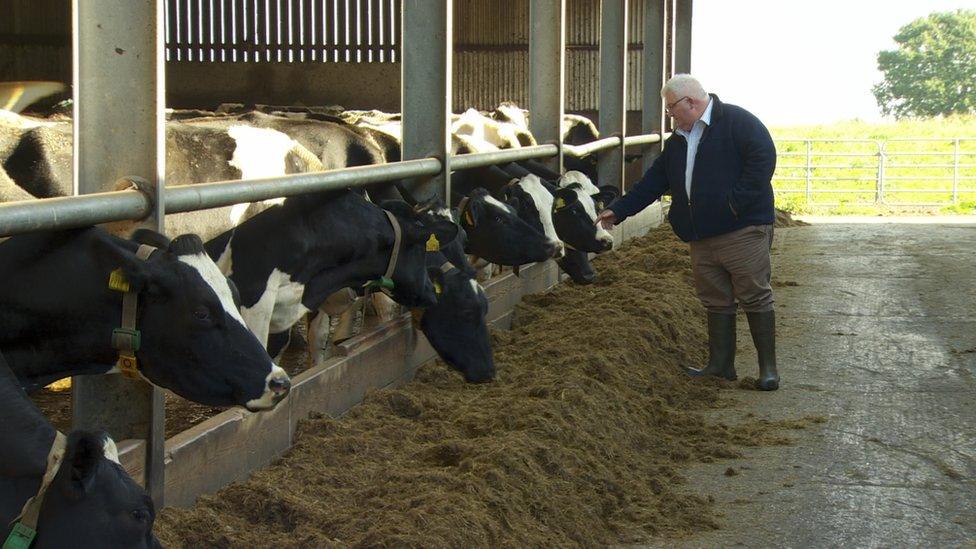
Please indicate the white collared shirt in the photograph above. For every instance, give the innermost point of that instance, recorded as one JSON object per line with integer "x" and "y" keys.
{"x": 694, "y": 137}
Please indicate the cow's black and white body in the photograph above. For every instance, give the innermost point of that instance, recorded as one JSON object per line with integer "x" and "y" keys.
{"x": 287, "y": 260}
{"x": 91, "y": 502}
{"x": 57, "y": 315}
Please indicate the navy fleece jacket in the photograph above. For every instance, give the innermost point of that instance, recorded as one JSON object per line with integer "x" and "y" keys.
{"x": 730, "y": 186}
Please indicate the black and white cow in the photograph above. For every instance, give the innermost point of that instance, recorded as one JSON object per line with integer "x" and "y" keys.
{"x": 58, "y": 314}
{"x": 91, "y": 501}
{"x": 496, "y": 232}
{"x": 456, "y": 326}
{"x": 285, "y": 261}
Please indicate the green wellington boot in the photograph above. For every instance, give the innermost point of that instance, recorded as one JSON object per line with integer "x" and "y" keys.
{"x": 763, "y": 328}
{"x": 721, "y": 348}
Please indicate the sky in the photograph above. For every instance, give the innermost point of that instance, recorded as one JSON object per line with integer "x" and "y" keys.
{"x": 795, "y": 62}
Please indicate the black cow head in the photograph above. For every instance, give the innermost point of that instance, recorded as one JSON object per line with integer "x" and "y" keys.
{"x": 453, "y": 250}
{"x": 496, "y": 233}
{"x": 411, "y": 285}
{"x": 456, "y": 326}
{"x": 92, "y": 502}
{"x": 193, "y": 339}
{"x": 577, "y": 265}
{"x": 574, "y": 210}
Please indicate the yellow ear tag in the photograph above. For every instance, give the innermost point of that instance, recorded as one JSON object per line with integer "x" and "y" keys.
{"x": 560, "y": 203}
{"x": 432, "y": 244}
{"x": 468, "y": 218}
{"x": 128, "y": 366}
{"x": 117, "y": 281}
{"x": 437, "y": 288}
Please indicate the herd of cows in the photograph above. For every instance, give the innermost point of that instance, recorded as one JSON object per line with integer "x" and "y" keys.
{"x": 205, "y": 314}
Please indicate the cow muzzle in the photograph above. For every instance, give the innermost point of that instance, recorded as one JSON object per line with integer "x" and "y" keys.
{"x": 276, "y": 388}
{"x": 556, "y": 249}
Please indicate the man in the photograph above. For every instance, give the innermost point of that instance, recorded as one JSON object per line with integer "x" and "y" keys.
{"x": 717, "y": 165}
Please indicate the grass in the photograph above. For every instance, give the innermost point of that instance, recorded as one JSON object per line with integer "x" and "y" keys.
{"x": 918, "y": 158}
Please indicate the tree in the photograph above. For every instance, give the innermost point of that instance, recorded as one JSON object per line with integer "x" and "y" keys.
{"x": 933, "y": 71}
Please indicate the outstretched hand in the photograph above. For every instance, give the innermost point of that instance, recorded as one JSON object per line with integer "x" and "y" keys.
{"x": 606, "y": 219}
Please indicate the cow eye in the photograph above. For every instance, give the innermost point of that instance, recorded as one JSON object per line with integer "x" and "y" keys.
{"x": 140, "y": 515}
{"x": 201, "y": 313}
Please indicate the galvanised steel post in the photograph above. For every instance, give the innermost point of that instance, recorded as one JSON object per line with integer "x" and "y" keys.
{"x": 547, "y": 64}
{"x": 119, "y": 130}
{"x": 682, "y": 36}
{"x": 655, "y": 48}
{"x": 613, "y": 88}
{"x": 425, "y": 54}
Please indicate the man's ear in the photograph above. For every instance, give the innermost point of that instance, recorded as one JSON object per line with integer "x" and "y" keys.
{"x": 128, "y": 272}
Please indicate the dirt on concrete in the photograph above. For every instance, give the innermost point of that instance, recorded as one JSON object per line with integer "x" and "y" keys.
{"x": 580, "y": 441}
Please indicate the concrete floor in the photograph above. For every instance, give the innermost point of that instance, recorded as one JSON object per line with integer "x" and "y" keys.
{"x": 877, "y": 333}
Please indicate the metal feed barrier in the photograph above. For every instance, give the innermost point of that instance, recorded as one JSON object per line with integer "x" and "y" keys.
{"x": 118, "y": 48}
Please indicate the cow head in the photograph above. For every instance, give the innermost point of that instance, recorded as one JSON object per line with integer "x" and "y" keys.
{"x": 411, "y": 285}
{"x": 453, "y": 250}
{"x": 577, "y": 265}
{"x": 533, "y": 202}
{"x": 193, "y": 339}
{"x": 456, "y": 326}
{"x": 93, "y": 502}
{"x": 496, "y": 233}
{"x": 574, "y": 210}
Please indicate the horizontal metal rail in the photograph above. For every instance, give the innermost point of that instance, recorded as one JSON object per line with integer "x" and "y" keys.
{"x": 81, "y": 211}
{"x": 478, "y": 160}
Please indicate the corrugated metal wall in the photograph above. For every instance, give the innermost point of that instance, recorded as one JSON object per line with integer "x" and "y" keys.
{"x": 35, "y": 40}
{"x": 490, "y": 60}
{"x": 492, "y": 47}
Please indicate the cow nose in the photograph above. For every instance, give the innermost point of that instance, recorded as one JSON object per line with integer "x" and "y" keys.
{"x": 280, "y": 387}
{"x": 606, "y": 245}
{"x": 555, "y": 249}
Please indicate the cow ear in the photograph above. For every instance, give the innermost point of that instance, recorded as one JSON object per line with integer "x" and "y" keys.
{"x": 150, "y": 237}
{"x": 609, "y": 191}
{"x": 444, "y": 230}
{"x": 437, "y": 279}
{"x": 80, "y": 464}
{"x": 563, "y": 198}
{"x": 123, "y": 265}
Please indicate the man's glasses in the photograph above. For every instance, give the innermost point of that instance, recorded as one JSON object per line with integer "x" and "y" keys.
{"x": 668, "y": 108}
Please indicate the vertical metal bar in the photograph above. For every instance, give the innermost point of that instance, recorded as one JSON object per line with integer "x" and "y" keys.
{"x": 205, "y": 32}
{"x": 613, "y": 88}
{"x": 118, "y": 59}
{"x": 547, "y": 65}
{"x": 652, "y": 106}
{"x": 682, "y": 37}
{"x": 809, "y": 144}
{"x": 426, "y": 90}
{"x": 955, "y": 172}
{"x": 879, "y": 193}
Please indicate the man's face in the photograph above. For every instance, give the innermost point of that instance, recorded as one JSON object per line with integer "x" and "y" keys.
{"x": 683, "y": 109}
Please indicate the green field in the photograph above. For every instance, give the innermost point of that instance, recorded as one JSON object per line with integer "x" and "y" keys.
{"x": 919, "y": 165}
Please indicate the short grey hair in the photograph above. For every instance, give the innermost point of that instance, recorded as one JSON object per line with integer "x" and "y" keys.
{"x": 684, "y": 85}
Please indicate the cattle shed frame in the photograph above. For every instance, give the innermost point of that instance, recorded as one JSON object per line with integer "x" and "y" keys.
{"x": 119, "y": 51}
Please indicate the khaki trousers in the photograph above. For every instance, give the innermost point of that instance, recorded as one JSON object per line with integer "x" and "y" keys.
{"x": 734, "y": 266}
